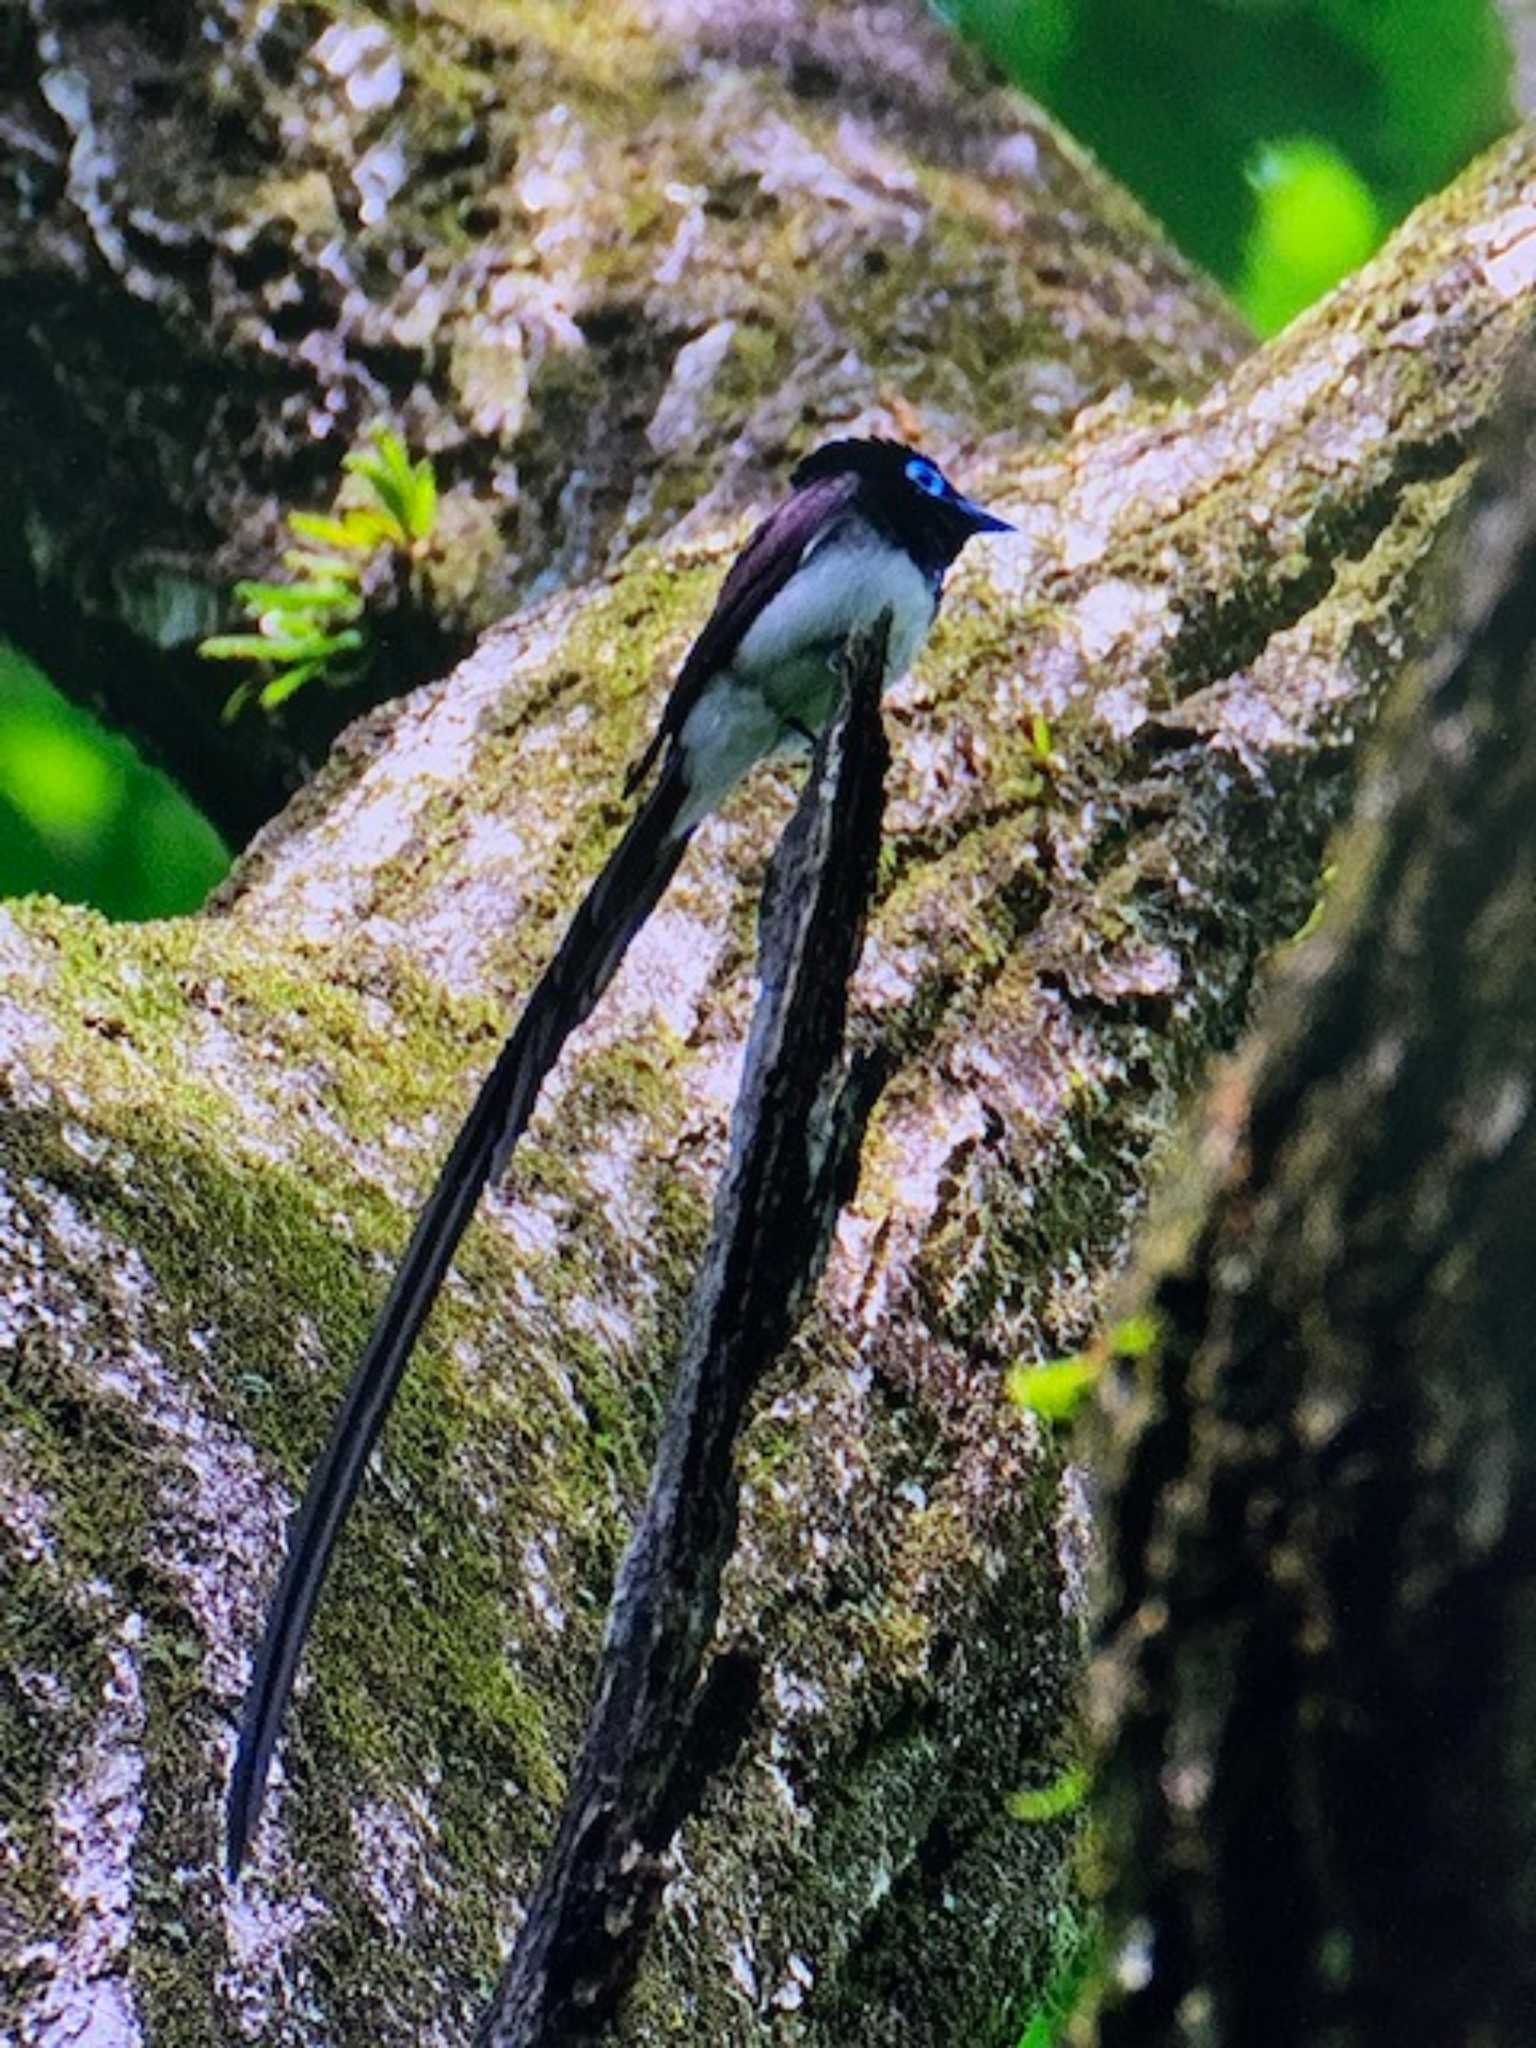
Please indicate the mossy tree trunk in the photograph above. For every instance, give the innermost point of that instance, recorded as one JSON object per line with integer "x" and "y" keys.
{"x": 1112, "y": 783}
{"x": 1319, "y": 1684}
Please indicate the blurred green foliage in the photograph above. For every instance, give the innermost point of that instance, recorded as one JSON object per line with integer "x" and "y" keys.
{"x": 82, "y": 817}
{"x": 1278, "y": 140}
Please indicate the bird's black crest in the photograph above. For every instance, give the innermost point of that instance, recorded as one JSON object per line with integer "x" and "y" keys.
{"x": 872, "y": 457}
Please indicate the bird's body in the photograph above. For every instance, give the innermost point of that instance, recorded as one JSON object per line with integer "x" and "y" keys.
{"x": 781, "y": 683}
{"x": 869, "y": 527}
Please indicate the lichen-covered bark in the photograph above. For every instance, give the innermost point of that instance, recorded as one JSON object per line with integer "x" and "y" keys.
{"x": 1113, "y": 776}
{"x": 599, "y": 263}
{"x": 1319, "y": 1678}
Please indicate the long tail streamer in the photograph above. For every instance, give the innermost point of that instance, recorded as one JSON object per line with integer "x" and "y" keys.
{"x": 618, "y": 904}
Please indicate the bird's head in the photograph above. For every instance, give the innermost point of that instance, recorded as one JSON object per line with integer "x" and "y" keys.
{"x": 905, "y": 492}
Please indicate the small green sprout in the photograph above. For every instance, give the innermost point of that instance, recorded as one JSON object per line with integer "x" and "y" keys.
{"x": 1040, "y": 747}
{"x": 312, "y": 627}
{"x": 1318, "y": 911}
{"x": 1056, "y": 1389}
{"x": 1135, "y": 1336}
{"x": 406, "y": 491}
{"x": 1064, "y": 1795}
{"x": 1039, "y": 762}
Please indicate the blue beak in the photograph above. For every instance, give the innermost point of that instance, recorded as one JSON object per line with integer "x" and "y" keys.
{"x": 980, "y": 520}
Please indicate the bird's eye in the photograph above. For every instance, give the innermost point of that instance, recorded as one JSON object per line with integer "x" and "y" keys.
{"x": 922, "y": 473}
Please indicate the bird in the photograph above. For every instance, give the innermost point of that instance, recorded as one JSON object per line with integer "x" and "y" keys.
{"x": 869, "y": 526}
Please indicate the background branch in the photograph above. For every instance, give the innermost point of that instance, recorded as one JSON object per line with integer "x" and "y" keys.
{"x": 1318, "y": 1680}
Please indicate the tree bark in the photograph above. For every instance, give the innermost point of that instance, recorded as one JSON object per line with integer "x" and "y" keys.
{"x": 1112, "y": 783}
{"x": 656, "y": 1736}
{"x": 1320, "y": 1674}
{"x": 599, "y": 264}
{"x": 1519, "y": 18}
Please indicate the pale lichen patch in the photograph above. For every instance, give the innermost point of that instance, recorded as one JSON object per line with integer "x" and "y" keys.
{"x": 395, "y": 1842}
{"x": 1118, "y": 615}
{"x": 265, "y": 1918}
{"x": 664, "y": 979}
{"x": 1507, "y": 247}
{"x": 487, "y": 893}
{"x": 218, "y": 1519}
{"x": 27, "y": 1514}
{"x": 81, "y": 1988}
{"x": 534, "y": 1227}
{"x": 785, "y": 160}
{"x": 435, "y": 744}
{"x": 681, "y": 411}
{"x": 539, "y": 1580}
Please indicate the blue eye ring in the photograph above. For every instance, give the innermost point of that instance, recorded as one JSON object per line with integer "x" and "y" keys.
{"x": 927, "y": 477}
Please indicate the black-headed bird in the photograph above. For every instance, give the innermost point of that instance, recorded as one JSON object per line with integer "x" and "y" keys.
{"x": 869, "y": 526}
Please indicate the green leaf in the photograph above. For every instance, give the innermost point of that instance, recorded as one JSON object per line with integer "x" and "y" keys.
{"x": 236, "y": 647}
{"x": 236, "y": 702}
{"x": 318, "y": 646}
{"x": 1136, "y": 1336}
{"x": 392, "y": 453}
{"x": 358, "y": 530}
{"x": 388, "y": 476}
{"x": 1062, "y": 1796}
{"x": 422, "y": 506}
{"x": 1319, "y": 909}
{"x": 336, "y": 605}
{"x": 315, "y": 568}
{"x": 392, "y": 518}
{"x": 263, "y": 597}
{"x": 282, "y": 687}
{"x": 1054, "y": 1391}
{"x": 323, "y": 527}
{"x": 408, "y": 492}
{"x": 1076, "y": 1965}
{"x": 1315, "y": 220}
{"x": 370, "y": 528}
{"x": 324, "y": 594}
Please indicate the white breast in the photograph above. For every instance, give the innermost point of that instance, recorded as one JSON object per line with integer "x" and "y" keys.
{"x": 846, "y": 578}
{"x": 782, "y": 679}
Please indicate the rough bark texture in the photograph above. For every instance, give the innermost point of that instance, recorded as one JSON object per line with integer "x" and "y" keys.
{"x": 215, "y": 1131}
{"x": 600, "y": 263}
{"x": 1320, "y": 1681}
{"x": 655, "y": 1737}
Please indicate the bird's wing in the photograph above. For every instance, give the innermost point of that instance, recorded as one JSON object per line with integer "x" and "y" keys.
{"x": 765, "y": 564}
{"x": 618, "y": 903}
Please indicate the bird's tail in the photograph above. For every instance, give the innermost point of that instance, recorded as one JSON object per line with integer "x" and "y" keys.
{"x": 618, "y": 903}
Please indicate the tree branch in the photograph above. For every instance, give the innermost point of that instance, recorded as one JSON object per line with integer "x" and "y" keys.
{"x": 654, "y": 1737}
